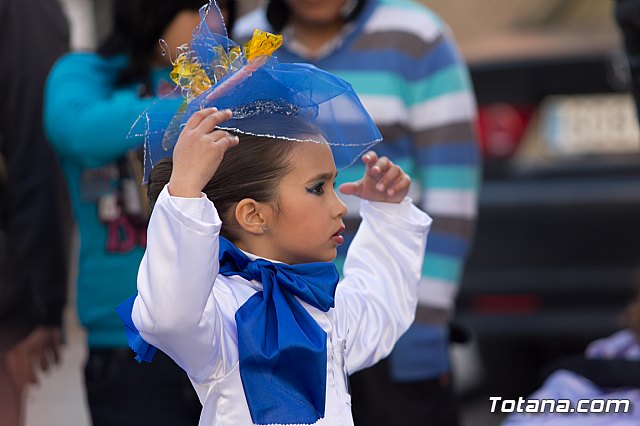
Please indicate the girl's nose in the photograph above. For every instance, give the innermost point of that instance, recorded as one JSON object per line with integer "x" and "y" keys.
{"x": 341, "y": 208}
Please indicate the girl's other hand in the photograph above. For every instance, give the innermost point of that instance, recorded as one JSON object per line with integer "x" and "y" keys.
{"x": 382, "y": 181}
{"x": 199, "y": 152}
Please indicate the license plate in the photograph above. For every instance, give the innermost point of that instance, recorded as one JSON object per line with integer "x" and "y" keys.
{"x": 590, "y": 124}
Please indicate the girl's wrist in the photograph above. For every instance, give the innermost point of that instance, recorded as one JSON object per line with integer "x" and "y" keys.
{"x": 183, "y": 190}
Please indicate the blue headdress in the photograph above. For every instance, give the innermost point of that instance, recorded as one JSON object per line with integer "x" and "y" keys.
{"x": 213, "y": 71}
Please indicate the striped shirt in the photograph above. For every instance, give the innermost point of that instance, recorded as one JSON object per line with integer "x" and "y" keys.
{"x": 403, "y": 64}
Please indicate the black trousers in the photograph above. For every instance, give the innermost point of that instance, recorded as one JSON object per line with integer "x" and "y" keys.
{"x": 377, "y": 400}
{"x": 123, "y": 392}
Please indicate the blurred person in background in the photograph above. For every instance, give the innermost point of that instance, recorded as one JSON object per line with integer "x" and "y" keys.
{"x": 401, "y": 60}
{"x": 608, "y": 371}
{"x": 91, "y": 102}
{"x": 34, "y": 213}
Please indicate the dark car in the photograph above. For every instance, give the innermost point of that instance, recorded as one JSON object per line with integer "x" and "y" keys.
{"x": 556, "y": 257}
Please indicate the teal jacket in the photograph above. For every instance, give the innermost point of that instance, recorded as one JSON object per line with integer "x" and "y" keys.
{"x": 87, "y": 119}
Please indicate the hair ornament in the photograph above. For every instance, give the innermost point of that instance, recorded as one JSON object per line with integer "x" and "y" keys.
{"x": 212, "y": 70}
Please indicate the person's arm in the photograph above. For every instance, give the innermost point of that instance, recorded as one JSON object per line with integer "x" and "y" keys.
{"x": 175, "y": 309}
{"x": 86, "y": 117}
{"x": 442, "y": 116}
{"x": 376, "y": 300}
{"x": 175, "y": 283}
{"x": 378, "y": 294}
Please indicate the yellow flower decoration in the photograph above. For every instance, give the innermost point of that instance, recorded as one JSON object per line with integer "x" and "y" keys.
{"x": 190, "y": 76}
{"x": 226, "y": 63}
{"x": 261, "y": 43}
{"x": 193, "y": 79}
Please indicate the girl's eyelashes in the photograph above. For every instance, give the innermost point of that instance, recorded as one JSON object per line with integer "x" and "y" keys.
{"x": 317, "y": 189}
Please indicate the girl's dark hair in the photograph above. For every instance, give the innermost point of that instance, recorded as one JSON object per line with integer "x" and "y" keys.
{"x": 138, "y": 26}
{"x": 251, "y": 169}
{"x": 278, "y": 13}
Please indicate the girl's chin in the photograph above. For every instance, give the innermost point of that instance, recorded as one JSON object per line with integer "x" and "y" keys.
{"x": 324, "y": 254}
{"x": 329, "y": 257}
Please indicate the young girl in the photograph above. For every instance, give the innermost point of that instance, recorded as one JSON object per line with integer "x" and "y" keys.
{"x": 237, "y": 284}
{"x": 272, "y": 341}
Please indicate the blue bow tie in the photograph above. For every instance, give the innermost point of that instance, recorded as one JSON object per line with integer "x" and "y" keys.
{"x": 282, "y": 350}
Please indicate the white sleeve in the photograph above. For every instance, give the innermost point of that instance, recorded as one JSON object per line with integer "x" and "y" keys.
{"x": 175, "y": 283}
{"x": 376, "y": 301}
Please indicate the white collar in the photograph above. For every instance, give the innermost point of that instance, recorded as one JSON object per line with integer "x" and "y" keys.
{"x": 254, "y": 257}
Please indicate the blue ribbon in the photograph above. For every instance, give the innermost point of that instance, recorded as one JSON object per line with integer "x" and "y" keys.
{"x": 144, "y": 351}
{"x": 282, "y": 349}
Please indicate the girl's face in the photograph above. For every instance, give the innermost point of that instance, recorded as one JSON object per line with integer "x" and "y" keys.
{"x": 316, "y": 12}
{"x": 308, "y": 225}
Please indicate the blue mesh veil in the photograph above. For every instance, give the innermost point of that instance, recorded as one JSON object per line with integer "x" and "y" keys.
{"x": 214, "y": 71}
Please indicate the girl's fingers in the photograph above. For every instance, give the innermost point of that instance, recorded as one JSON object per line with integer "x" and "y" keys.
{"x": 369, "y": 159}
{"x": 383, "y": 180}
{"x": 227, "y": 142}
{"x": 350, "y": 188}
{"x": 384, "y": 164}
{"x": 399, "y": 185}
{"x": 381, "y": 167}
{"x": 216, "y": 135}
{"x": 388, "y": 177}
{"x": 209, "y": 123}
{"x": 223, "y": 139}
{"x": 198, "y": 116}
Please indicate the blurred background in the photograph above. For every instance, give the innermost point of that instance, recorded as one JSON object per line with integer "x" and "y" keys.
{"x": 556, "y": 254}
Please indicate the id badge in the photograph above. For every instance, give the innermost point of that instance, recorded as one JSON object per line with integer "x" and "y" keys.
{"x": 98, "y": 182}
{"x": 109, "y": 208}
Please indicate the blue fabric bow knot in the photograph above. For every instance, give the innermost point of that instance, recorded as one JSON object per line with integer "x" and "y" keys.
{"x": 282, "y": 350}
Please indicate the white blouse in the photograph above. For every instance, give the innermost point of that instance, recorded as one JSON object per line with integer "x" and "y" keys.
{"x": 186, "y": 309}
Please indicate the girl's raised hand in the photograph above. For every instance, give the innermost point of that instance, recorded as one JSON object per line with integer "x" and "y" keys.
{"x": 199, "y": 152}
{"x": 382, "y": 181}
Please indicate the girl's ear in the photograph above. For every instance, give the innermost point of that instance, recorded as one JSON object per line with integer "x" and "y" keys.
{"x": 252, "y": 216}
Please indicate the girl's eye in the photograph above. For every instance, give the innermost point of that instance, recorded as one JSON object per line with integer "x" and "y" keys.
{"x": 317, "y": 189}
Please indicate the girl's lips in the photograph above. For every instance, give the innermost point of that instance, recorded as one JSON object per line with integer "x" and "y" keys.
{"x": 337, "y": 238}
